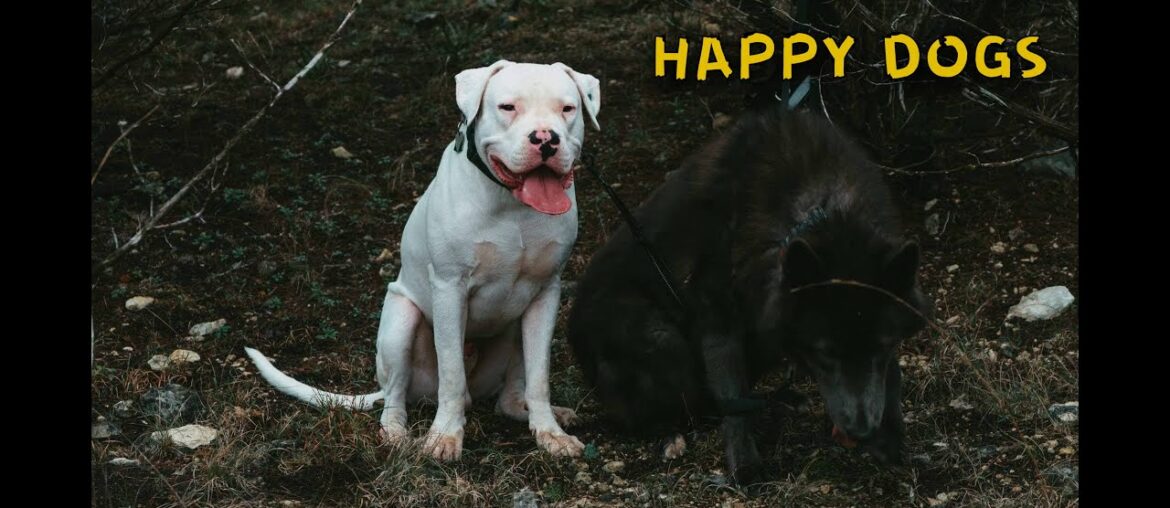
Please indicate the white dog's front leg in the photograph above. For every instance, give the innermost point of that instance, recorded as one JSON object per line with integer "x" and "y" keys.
{"x": 537, "y": 331}
{"x": 444, "y": 441}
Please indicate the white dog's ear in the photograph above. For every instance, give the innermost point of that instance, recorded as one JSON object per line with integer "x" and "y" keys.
{"x": 590, "y": 90}
{"x": 470, "y": 85}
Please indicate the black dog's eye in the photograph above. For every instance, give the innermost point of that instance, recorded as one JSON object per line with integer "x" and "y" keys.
{"x": 568, "y": 109}
{"x": 508, "y": 107}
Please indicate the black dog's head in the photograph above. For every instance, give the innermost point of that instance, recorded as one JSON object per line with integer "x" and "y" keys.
{"x": 847, "y": 335}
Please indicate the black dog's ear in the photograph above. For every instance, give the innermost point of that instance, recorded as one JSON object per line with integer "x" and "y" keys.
{"x": 901, "y": 270}
{"x": 802, "y": 266}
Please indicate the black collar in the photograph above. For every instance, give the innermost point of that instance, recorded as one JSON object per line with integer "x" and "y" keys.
{"x": 472, "y": 154}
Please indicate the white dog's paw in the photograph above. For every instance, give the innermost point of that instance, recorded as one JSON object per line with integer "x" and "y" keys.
{"x": 675, "y": 447}
{"x": 559, "y": 444}
{"x": 393, "y": 435}
{"x": 565, "y": 417}
{"x": 443, "y": 447}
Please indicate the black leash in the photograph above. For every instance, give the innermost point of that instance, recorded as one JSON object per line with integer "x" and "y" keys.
{"x": 636, "y": 230}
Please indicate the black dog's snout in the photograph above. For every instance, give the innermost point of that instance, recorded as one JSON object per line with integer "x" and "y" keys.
{"x": 548, "y": 140}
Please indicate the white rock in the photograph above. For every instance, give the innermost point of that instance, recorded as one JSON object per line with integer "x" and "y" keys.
{"x": 721, "y": 121}
{"x": 959, "y": 403}
{"x": 952, "y": 268}
{"x": 1031, "y": 247}
{"x": 999, "y": 247}
{"x": 207, "y": 328}
{"x": 930, "y": 204}
{"x": 183, "y": 356}
{"x": 158, "y": 362}
{"x": 614, "y": 466}
{"x": 234, "y": 72}
{"x": 343, "y": 63}
{"x": 1044, "y": 304}
{"x": 341, "y": 153}
{"x": 139, "y": 302}
{"x": 123, "y": 461}
{"x": 189, "y": 436}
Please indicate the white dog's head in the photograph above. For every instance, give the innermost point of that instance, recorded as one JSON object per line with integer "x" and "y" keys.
{"x": 529, "y": 124}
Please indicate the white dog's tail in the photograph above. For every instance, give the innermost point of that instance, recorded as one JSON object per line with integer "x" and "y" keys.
{"x": 306, "y": 393}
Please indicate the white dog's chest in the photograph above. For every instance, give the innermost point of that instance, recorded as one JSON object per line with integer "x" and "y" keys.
{"x": 507, "y": 276}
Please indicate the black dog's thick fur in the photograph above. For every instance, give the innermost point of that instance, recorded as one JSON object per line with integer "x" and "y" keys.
{"x": 781, "y": 201}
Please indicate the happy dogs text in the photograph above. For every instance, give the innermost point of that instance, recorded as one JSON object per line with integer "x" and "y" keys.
{"x": 801, "y": 47}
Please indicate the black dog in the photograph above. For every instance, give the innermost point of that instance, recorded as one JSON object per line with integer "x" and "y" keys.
{"x": 759, "y": 229}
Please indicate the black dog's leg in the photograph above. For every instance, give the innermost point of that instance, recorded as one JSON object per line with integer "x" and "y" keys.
{"x": 888, "y": 444}
{"x": 727, "y": 379}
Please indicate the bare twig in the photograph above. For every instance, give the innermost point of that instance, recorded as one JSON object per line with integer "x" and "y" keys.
{"x": 231, "y": 143}
{"x": 121, "y": 136}
{"x": 109, "y": 72}
{"x": 1057, "y": 129}
{"x": 978, "y": 165}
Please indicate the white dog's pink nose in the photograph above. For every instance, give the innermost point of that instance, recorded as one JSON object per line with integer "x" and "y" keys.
{"x": 546, "y": 141}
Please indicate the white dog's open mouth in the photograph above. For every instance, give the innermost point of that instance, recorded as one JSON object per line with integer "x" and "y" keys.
{"x": 541, "y": 188}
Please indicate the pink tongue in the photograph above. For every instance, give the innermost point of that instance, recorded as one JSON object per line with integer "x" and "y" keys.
{"x": 542, "y": 190}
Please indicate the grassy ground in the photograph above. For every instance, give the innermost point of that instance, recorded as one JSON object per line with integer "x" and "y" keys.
{"x": 286, "y": 250}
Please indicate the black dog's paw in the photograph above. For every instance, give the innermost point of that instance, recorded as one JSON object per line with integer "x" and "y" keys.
{"x": 743, "y": 462}
{"x": 887, "y": 450}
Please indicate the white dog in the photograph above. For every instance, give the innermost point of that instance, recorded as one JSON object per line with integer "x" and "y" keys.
{"x": 472, "y": 312}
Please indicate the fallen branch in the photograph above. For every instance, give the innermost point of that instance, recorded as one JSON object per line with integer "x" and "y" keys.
{"x": 1057, "y": 129}
{"x": 977, "y": 165}
{"x": 110, "y": 150}
{"x": 231, "y": 143}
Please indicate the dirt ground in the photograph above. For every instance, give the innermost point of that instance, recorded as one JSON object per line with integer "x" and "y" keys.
{"x": 287, "y": 251}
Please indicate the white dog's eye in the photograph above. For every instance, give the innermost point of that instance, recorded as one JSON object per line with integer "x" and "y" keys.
{"x": 508, "y": 107}
{"x": 568, "y": 109}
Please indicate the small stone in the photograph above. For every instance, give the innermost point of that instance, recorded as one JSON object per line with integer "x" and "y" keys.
{"x": 1015, "y": 233}
{"x": 986, "y": 452}
{"x": 158, "y": 362}
{"x": 1066, "y": 413}
{"x": 190, "y": 436}
{"x": 104, "y": 429}
{"x": 583, "y": 477}
{"x": 720, "y": 121}
{"x": 930, "y": 204}
{"x": 234, "y": 72}
{"x": 172, "y": 403}
{"x": 1044, "y": 304}
{"x": 207, "y": 328}
{"x": 139, "y": 302}
{"x": 526, "y": 498}
{"x": 952, "y": 268}
{"x": 953, "y": 319}
{"x": 122, "y": 461}
{"x": 124, "y": 409}
{"x": 826, "y": 488}
{"x": 385, "y": 255}
{"x": 933, "y": 224}
{"x": 614, "y": 466}
{"x": 180, "y": 356}
{"x": 961, "y": 404}
{"x": 999, "y": 247}
{"x": 341, "y": 153}
{"x": 1061, "y": 474}
{"x": 1031, "y": 247}
{"x": 343, "y": 63}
